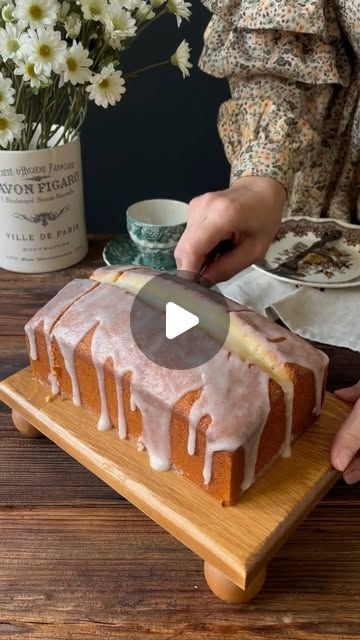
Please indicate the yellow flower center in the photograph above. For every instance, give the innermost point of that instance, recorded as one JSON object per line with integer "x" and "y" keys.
{"x": 94, "y": 10}
{"x": 35, "y": 12}
{"x": 30, "y": 70}
{"x": 119, "y": 23}
{"x": 4, "y": 123}
{"x": 12, "y": 46}
{"x": 44, "y": 51}
{"x": 104, "y": 84}
{"x": 71, "y": 64}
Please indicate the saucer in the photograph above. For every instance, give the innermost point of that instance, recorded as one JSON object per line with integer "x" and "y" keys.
{"x": 121, "y": 250}
{"x": 337, "y": 266}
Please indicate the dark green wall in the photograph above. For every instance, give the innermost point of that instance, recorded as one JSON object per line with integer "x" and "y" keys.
{"x": 161, "y": 139}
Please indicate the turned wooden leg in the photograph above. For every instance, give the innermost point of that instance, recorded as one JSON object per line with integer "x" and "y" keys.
{"x": 226, "y": 590}
{"x": 22, "y": 425}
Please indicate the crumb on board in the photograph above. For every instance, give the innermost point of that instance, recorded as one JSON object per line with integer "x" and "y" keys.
{"x": 287, "y": 619}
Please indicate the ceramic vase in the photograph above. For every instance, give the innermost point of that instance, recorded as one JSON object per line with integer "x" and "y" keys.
{"x": 42, "y": 209}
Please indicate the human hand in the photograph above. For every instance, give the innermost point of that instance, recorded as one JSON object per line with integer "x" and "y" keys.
{"x": 248, "y": 213}
{"x": 347, "y": 441}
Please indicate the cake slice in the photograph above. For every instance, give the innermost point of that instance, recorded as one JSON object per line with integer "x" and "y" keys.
{"x": 221, "y": 424}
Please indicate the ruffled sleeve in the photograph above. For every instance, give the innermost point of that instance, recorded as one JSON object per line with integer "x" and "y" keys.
{"x": 283, "y": 60}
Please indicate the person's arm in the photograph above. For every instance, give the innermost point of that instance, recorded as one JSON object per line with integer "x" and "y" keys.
{"x": 282, "y": 81}
{"x": 346, "y": 443}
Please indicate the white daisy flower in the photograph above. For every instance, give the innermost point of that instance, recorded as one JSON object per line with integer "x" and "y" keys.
{"x": 7, "y": 13}
{"x": 76, "y": 65}
{"x": 94, "y": 9}
{"x": 144, "y": 12}
{"x": 7, "y": 92}
{"x": 106, "y": 87}
{"x": 11, "y": 39}
{"x": 27, "y": 70}
{"x": 119, "y": 24}
{"x": 73, "y": 25}
{"x": 45, "y": 49}
{"x": 181, "y": 58}
{"x": 36, "y": 13}
{"x": 180, "y": 9}
{"x": 11, "y": 126}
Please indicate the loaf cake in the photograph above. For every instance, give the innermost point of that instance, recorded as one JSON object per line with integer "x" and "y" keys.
{"x": 220, "y": 424}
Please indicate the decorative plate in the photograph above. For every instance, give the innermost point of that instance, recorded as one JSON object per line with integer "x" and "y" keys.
{"x": 121, "y": 250}
{"x": 334, "y": 265}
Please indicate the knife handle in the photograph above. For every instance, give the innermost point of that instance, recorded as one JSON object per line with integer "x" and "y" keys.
{"x": 219, "y": 250}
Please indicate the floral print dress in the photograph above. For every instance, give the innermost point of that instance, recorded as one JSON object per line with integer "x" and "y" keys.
{"x": 294, "y": 113}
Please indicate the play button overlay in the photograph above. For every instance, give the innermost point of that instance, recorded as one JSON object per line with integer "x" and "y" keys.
{"x": 177, "y": 323}
{"x": 178, "y": 320}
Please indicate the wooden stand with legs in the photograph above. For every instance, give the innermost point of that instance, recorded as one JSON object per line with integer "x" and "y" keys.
{"x": 23, "y": 426}
{"x": 235, "y": 542}
{"x": 226, "y": 590}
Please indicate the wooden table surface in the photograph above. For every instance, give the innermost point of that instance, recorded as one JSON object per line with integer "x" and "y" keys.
{"x": 77, "y": 562}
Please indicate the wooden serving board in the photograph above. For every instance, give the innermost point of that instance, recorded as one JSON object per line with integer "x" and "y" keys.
{"x": 235, "y": 542}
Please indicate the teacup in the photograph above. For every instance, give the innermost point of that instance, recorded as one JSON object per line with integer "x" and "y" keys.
{"x": 155, "y": 227}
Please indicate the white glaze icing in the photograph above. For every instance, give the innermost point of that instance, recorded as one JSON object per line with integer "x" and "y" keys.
{"x": 49, "y": 314}
{"x": 280, "y": 347}
{"x": 246, "y": 389}
{"x": 155, "y": 390}
{"x": 287, "y": 348}
{"x": 53, "y": 384}
{"x": 234, "y": 395}
{"x": 284, "y": 348}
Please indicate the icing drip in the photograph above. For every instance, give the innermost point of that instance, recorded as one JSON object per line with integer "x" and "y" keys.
{"x": 104, "y": 422}
{"x": 121, "y": 420}
{"x": 69, "y": 361}
{"x": 53, "y": 384}
{"x": 132, "y": 400}
{"x": 246, "y": 389}
{"x": 156, "y": 429}
{"x": 52, "y": 311}
{"x": 251, "y": 448}
{"x": 280, "y": 347}
{"x": 154, "y": 390}
{"x": 288, "y": 390}
{"x": 283, "y": 347}
{"x": 30, "y": 332}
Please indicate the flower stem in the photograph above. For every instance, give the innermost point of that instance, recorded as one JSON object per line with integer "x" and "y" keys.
{"x": 148, "y": 23}
{"x": 134, "y": 74}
